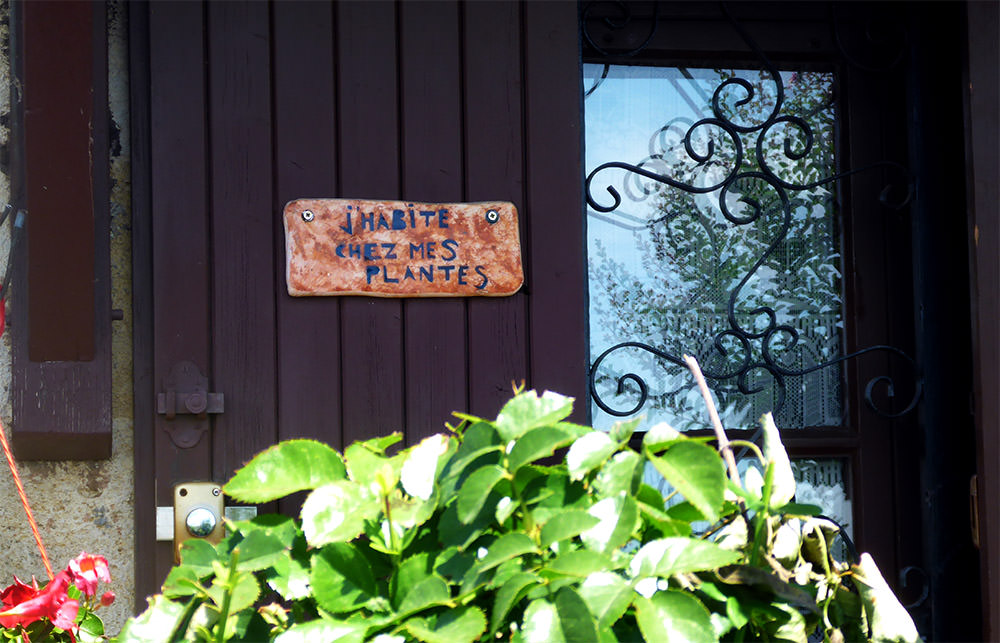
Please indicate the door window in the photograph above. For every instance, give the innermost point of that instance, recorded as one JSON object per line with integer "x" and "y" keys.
{"x": 713, "y": 231}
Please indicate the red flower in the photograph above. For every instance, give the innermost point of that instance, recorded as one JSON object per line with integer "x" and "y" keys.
{"x": 18, "y": 592}
{"x": 87, "y": 570}
{"x": 107, "y": 598}
{"x": 51, "y": 603}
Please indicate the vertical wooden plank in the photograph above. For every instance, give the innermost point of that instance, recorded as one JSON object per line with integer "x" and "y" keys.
{"x": 555, "y": 257}
{"x": 180, "y": 260}
{"x": 371, "y": 329}
{"x": 242, "y": 231}
{"x": 305, "y": 145}
{"x": 867, "y": 317}
{"x": 982, "y": 102}
{"x": 143, "y": 391}
{"x": 430, "y": 55}
{"x": 497, "y": 330}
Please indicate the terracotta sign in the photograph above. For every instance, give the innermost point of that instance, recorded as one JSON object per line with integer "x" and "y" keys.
{"x": 401, "y": 248}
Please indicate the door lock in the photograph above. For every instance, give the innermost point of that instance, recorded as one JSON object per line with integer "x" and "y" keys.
{"x": 198, "y": 511}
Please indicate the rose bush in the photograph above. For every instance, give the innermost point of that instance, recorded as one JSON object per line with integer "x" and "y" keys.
{"x": 486, "y": 533}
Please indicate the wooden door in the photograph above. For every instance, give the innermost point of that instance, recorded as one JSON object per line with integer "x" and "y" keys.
{"x": 242, "y": 107}
{"x": 239, "y": 107}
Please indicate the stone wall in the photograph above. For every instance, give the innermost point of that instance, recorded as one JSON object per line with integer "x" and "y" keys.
{"x": 81, "y": 506}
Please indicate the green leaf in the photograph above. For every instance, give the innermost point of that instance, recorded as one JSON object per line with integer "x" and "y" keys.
{"x": 566, "y": 525}
{"x": 91, "y": 629}
{"x": 588, "y": 453}
{"x": 453, "y": 532}
{"x": 505, "y": 548}
{"x": 619, "y": 475}
{"x": 477, "y": 487}
{"x": 528, "y": 411}
{"x": 198, "y": 555}
{"x": 287, "y": 467}
{"x": 607, "y": 595}
{"x": 508, "y": 596}
{"x": 410, "y": 572}
{"x": 537, "y": 443}
{"x": 420, "y": 468}
{"x": 429, "y": 591}
{"x": 798, "y": 509}
{"x": 621, "y": 431}
{"x": 337, "y": 512}
{"x": 669, "y": 556}
{"x": 673, "y": 616}
{"x": 243, "y": 593}
{"x": 540, "y": 623}
{"x": 259, "y": 550}
{"x": 660, "y": 436}
{"x": 465, "y": 624}
{"x": 341, "y": 578}
{"x": 158, "y": 623}
{"x": 182, "y": 580}
{"x": 325, "y": 631}
{"x": 281, "y": 527}
{"x": 363, "y": 460}
{"x": 888, "y": 618}
{"x": 478, "y": 439}
{"x": 697, "y": 472}
{"x": 783, "y": 489}
{"x": 580, "y": 563}
{"x": 575, "y": 619}
{"x": 760, "y": 579}
{"x": 619, "y": 519}
{"x": 290, "y": 577}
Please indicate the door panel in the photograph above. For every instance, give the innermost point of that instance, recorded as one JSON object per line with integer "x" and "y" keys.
{"x": 255, "y": 104}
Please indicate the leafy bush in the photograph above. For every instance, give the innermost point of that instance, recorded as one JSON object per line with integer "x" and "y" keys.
{"x": 481, "y": 534}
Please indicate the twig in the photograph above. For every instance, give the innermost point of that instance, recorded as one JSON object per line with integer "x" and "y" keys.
{"x": 720, "y": 433}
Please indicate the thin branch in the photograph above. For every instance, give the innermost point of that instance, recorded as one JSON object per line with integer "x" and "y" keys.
{"x": 720, "y": 433}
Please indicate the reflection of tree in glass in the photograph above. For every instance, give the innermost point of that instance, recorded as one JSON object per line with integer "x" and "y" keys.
{"x": 693, "y": 258}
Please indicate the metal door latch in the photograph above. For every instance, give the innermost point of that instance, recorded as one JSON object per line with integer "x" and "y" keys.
{"x": 186, "y": 391}
{"x": 197, "y": 513}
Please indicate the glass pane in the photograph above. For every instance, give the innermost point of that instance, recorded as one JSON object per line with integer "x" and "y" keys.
{"x": 746, "y": 277}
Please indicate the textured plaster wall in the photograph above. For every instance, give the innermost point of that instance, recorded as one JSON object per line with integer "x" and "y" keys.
{"x": 80, "y": 505}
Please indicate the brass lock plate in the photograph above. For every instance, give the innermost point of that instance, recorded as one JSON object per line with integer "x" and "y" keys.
{"x": 198, "y": 511}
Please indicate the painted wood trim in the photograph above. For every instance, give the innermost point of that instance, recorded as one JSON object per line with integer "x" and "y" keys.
{"x": 982, "y": 102}
{"x": 61, "y": 309}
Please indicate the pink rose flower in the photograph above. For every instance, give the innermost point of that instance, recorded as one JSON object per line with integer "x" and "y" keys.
{"x": 87, "y": 570}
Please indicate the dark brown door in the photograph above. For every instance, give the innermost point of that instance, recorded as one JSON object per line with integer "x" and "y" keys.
{"x": 242, "y": 107}
{"x": 239, "y": 107}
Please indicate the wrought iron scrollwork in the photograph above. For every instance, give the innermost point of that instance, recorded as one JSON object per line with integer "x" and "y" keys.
{"x": 755, "y": 347}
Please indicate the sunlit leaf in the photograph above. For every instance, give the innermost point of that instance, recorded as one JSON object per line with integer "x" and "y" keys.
{"x": 337, "y": 512}
{"x": 420, "y": 467}
{"x": 589, "y": 452}
{"x": 697, "y": 472}
{"x": 535, "y": 444}
{"x": 668, "y": 556}
{"x": 528, "y": 411}
{"x": 672, "y": 616}
{"x": 474, "y": 491}
{"x": 461, "y": 625}
{"x": 287, "y": 467}
{"x": 607, "y": 595}
{"x": 566, "y": 525}
{"x": 619, "y": 518}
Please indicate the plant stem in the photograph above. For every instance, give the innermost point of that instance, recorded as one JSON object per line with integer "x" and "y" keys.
{"x": 227, "y": 596}
{"x": 720, "y": 432}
